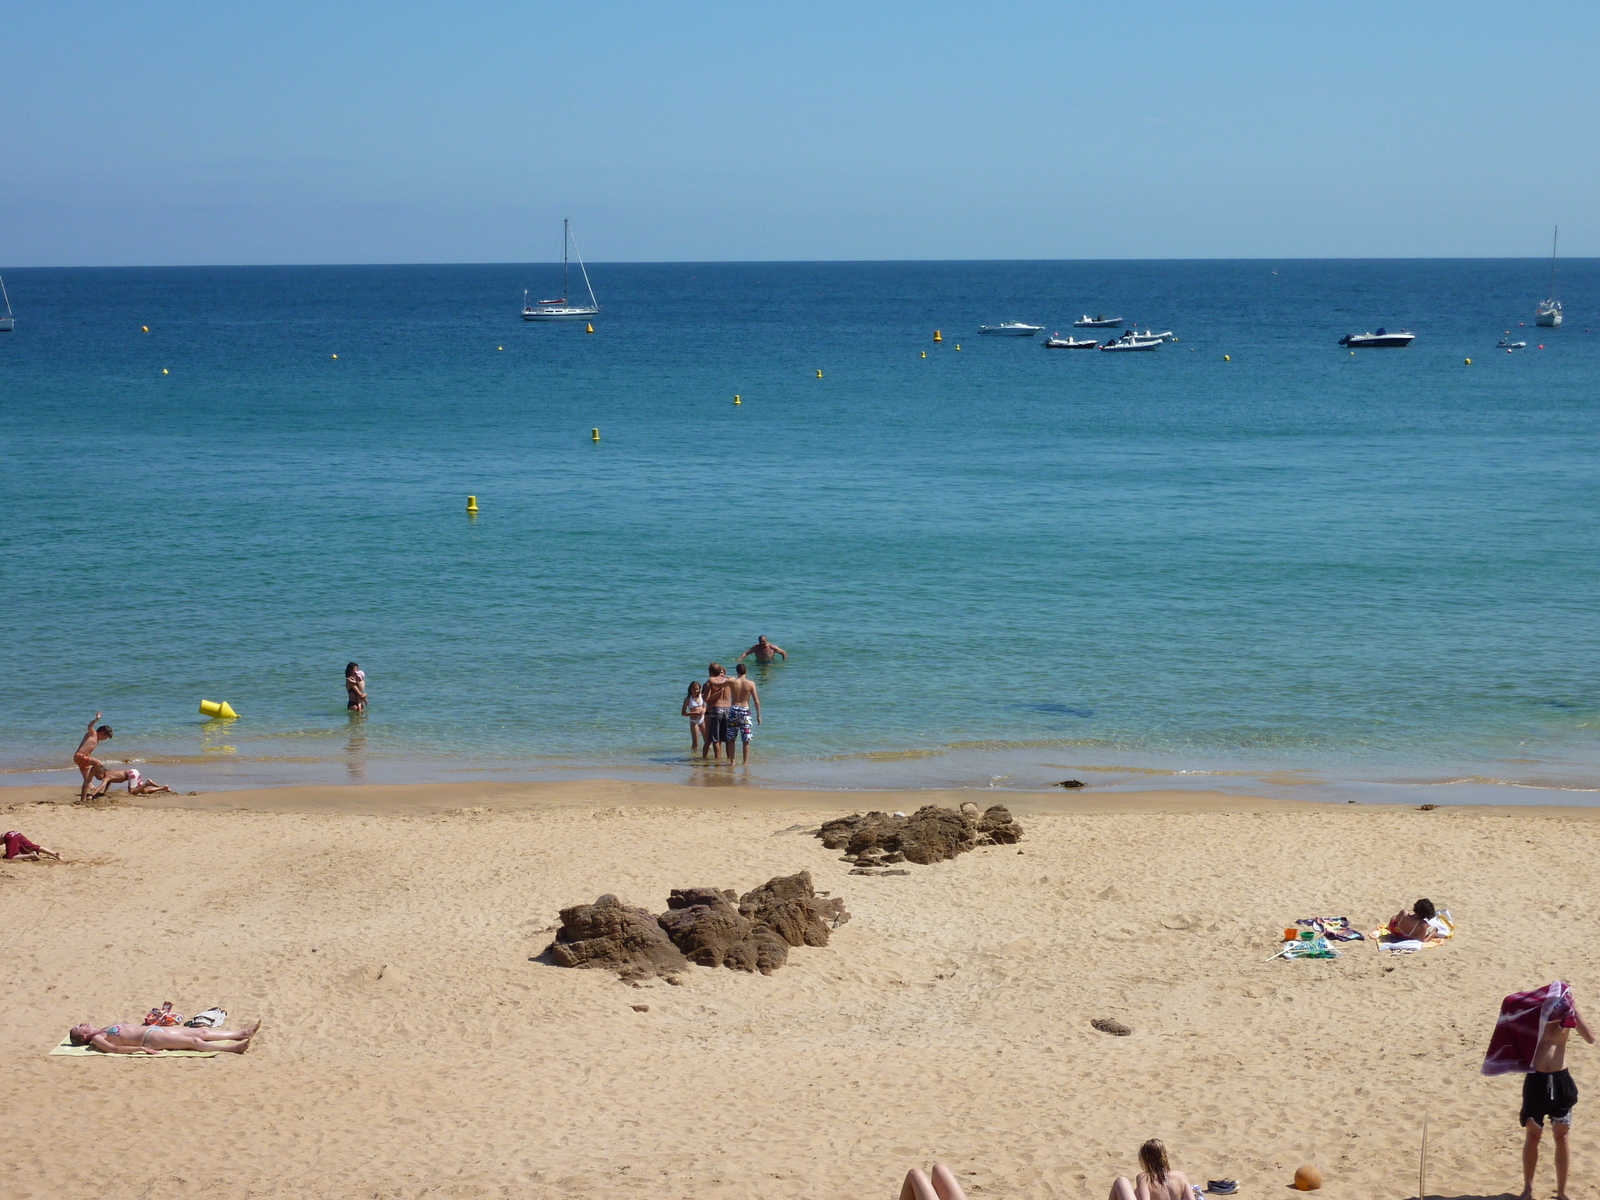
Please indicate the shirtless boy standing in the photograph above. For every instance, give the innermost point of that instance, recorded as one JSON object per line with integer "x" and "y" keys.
{"x": 743, "y": 696}
{"x": 83, "y": 757}
{"x": 718, "y": 692}
{"x": 1548, "y": 1091}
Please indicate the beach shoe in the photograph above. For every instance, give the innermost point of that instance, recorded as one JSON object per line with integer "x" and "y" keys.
{"x": 1222, "y": 1187}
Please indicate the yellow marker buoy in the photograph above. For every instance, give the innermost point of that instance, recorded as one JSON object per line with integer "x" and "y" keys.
{"x": 937, "y": 337}
{"x": 958, "y": 345}
{"x": 336, "y": 356}
{"x": 163, "y": 370}
{"x": 594, "y": 435}
{"x": 590, "y": 329}
{"x": 499, "y": 347}
{"x": 472, "y": 504}
{"x": 1469, "y": 362}
{"x": 146, "y": 328}
{"x": 1227, "y": 358}
{"x": 738, "y": 401}
{"x": 819, "y": 373}
{"x": 924, "y": 354}
{"x": 210, "y": 708}
{"x": 1352, "y": 354}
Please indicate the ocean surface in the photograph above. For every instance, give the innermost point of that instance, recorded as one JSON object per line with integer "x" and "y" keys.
{"x": 1250, "y": 559}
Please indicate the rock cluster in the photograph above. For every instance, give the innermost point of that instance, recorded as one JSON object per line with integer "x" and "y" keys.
{"x": 705, "y": 926}
{"x": 929, "y": 835}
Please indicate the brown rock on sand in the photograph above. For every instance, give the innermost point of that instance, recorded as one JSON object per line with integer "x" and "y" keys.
{"x": 609, "y": 933}
{"x": 790, "y": 906}
{"x": 711, "y": 932}
{"x": 929, "y": 835}
{"x": 998, "y": 827}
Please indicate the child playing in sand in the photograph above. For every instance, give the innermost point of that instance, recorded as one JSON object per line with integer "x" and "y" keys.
{"x": 138, "y": 784}
{"x": 694, "y": 707}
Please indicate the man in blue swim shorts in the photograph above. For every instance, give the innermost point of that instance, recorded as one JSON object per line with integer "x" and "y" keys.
{"x": 743, "y": 698}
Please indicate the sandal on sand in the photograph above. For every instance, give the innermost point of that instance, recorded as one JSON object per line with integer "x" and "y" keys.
{"x": 1222, "y": 1187}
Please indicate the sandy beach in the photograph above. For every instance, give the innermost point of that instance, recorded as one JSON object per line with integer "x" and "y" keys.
{"x": 415, "y": 1046}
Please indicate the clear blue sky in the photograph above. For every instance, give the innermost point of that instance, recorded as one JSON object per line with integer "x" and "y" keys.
{"x": 225, "y": 132}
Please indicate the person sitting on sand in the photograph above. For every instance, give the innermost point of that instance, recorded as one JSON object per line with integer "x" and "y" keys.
{"x": 83, "y": 757}
{"x": 132, "y": 1038}
{"x": 138, "y": 784}
{"x": 1414, "y": 926}
{"x": 1158, "y": 1181}
{"x": 18, "y": 846}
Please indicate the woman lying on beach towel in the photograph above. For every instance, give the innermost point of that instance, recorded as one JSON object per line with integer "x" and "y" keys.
{"x": 1158, "y": 1181}
{"x": 132, "y": 1038}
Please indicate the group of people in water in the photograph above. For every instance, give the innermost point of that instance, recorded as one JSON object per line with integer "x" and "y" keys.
{"x": 723, "y": 711}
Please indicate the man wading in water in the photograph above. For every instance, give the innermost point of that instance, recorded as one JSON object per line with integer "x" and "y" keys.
{"x": 720, "y": 729}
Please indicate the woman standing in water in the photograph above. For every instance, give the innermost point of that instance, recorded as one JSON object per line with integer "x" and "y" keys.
{"x": 355, "y": 687}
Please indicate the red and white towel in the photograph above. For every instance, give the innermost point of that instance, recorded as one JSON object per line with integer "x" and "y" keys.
{"x": 1523, "y": 1016}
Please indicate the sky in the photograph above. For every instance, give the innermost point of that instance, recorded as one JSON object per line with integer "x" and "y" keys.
{"x": 226, "y": 132}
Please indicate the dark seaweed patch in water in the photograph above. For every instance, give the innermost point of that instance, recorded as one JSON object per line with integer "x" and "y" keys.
{"x": 1559, "y": 704}
{"x": 1058, "y": 710}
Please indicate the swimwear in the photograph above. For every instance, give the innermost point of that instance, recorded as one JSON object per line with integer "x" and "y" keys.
{"x": 739, "y": 719}
{"x": 17, "y": 843}
{"x": 135, "y": 779}
{"x": 697, "y": 712}
{"x": 720, "y": 726}
{"x": 1548, "y": 1094}
{"x": 114, "y": 1029}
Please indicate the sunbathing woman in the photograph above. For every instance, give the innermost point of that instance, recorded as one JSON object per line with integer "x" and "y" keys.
{"x": 1416, "y": 925}
{"x": 1158, "y": 1181}
{"x": 133, "y": 1038}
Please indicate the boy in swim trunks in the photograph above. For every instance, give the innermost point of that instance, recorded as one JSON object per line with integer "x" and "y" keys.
{"x": 83, "y": 757}
{"x": 743, "y": 696}
{"x": 138, "y": 785}
{"x": 1548, "y": 1091}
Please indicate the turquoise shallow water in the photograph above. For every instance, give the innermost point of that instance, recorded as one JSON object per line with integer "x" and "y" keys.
{"x": 998, "y": 564}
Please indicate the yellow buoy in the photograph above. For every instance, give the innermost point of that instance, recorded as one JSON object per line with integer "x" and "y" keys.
{"x": 146, "y": 328}
{"x": 937, "y": 337}
{"x": 594, "y": 435}
{"x": 958, "y": 345}
{"x": 738, "y": 401}
{"x": 224, "y": 711}
{"x": 472, "y": 504}
{"x": 590, "y": 329}
{"x": 1227, "y": 358}
{"x": 163, "y": 370}
{"x": 1469, "y": 362}
{"x": 924, "y": 354}
{"x": 819, "y": 373}
{"x": 499, "y": 347}
{"x": 336, "y": 356}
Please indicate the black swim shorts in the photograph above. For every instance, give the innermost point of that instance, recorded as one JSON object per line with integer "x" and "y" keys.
{"x": 1548, "y": 1094}
{"x": 720, "y": 726}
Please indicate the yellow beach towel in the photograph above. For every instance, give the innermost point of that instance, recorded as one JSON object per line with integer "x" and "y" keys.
{"x": 66, "y": 1047}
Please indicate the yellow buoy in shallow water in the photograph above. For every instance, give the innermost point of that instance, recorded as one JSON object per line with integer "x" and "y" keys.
{"x": 738, "y": 401}
{"x": 590, "y": 329}
{"x": 224, "y": 711}
{"x": 146, "y": 328}
{"x": 472, "y": 504}
{"x": 937, "y": 336}
{"x": 594, "y": 435}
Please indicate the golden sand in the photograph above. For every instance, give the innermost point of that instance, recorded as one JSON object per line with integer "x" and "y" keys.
{"x": 412, "y": 1047}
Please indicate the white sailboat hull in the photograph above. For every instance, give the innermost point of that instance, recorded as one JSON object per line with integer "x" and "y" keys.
{"x": 559, "y": 314}
{"x": 1550, "y": 318}
{"x": 7, "y": 324}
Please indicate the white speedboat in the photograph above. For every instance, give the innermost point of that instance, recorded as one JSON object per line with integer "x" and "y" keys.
{"x": 1149, "y": 336}
{"x": 1057, "y": 342}
{"x": 1549, "y": 313}
{"x": 562, "y": 309}
{"x": 1010, "y": 329}
{"x": 1383, "y": 337}
{"x": 1096, "y": 322}
{"x": 1129, "y": 342}
{"x": 1505, "y": 345}
{"x": 8, "y": 323}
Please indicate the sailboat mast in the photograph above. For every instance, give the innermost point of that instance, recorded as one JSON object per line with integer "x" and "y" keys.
{"x": 1554, "y": 238}
{"x": 565, "y": 236}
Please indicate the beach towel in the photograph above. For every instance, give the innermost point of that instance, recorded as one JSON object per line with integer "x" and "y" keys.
{"x": 1316, "y": 948}
{"x": 1523, "y": 1016}
{"x": 1337, "y": 929}
{"x": 67, "y": 1048}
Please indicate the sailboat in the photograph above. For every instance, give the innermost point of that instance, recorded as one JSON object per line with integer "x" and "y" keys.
{"x": 7, "y": 322}
{"x": 1549, "y": 313}
{"x": 562, "y": 309}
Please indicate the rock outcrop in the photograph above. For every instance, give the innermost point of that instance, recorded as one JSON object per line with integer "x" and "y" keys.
{"x": 929, "y": 835}
{"x": 609, "y": 933}
{"x": 705, "y": 926}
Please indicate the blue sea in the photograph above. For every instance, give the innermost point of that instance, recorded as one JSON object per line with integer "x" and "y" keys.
{"x": 1251, "y": 559}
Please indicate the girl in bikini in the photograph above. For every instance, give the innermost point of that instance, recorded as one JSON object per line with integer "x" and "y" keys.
{"x": 694, "y": 707}
{"x": 355, "y": 687}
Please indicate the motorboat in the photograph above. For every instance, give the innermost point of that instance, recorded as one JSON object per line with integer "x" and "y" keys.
{"x": 1383, "y": 337}
{"x": 1057, "y": 342}
{"x": 1098, "y": 321}
{"x": 1129, "y": 342}
{"x": 562, "y": 309}
{"x": 1149, "y": 336}
{"x": 1505, "y": 345}
{"x": 1549, "y": 313}
{"x": 1010, "y": 329}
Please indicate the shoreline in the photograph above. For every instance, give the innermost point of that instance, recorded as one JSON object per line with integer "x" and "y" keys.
{"x": 483, "y": 797}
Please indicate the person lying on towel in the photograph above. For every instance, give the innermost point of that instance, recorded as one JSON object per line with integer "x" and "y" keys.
{"x": 1414, "y": 926}
{"x": 132, "y": 1038}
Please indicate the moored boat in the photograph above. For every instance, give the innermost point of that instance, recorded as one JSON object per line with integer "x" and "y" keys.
{"x": 8, "y": 323}
{"x": 562, "y": 310}
{"x": 1057, "y": 342}
{"x": 1549, "y": 313}
{"x": 1098, "y": 321}
{"x": 1383, "y": 337}
{"x": 1129, "y": 342}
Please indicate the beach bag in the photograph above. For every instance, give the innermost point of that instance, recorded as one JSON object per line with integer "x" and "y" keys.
{"x": 212, "y": 1018}
{"x": 163, "y": 1016}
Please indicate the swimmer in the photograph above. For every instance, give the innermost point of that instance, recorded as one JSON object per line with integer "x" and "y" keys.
{"x": 763, "y": 650}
